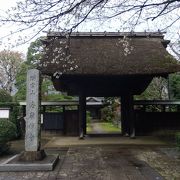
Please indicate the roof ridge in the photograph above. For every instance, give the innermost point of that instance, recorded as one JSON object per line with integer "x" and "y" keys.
{"x": 111, "y": 34}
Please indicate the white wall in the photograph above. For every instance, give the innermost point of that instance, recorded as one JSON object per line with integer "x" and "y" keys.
{"x": 4, "y": 113}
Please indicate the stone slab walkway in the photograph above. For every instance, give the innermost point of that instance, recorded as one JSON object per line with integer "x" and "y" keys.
{"x": 105, "y": 164}
{"x": 93, "y": 163}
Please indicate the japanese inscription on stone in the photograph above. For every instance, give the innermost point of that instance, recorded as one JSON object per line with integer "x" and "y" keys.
{"x": 32, "y": 136}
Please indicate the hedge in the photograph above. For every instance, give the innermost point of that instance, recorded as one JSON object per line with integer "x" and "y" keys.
{"x": 7, "y": 132}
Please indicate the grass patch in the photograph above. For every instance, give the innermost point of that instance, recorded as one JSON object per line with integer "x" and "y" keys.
{"x": 109, "y": 127}
{"x": 88, "y": 128}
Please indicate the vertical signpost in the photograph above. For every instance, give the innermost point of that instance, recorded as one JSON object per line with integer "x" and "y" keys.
{"x": 33, "y": 129}
{"x": 32, "y": 136}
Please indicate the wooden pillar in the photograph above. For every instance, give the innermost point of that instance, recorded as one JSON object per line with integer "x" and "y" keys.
{"x": 82, "y": 115}
{"x": 22, "y": 123}
{"x": 131, "y": 116}
{"x": 124, "y": 114}
{"x": 127, "y": 115}
{"x": 178, "y": 108}
{"x": 64, "y": 119}
{"x": 144, "y": 108}
{"x": 163, "y": 108}
{"x": 44, "y": 109}
{"x": 24, "y": 111}
{"x": 43, "y": 112}
{"x": 122, "y": 110}
{"x": 84, "y": 122}
{"x": 64, "y": 109}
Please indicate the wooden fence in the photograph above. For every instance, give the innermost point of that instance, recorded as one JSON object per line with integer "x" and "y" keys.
{"x": 152, "y": 116}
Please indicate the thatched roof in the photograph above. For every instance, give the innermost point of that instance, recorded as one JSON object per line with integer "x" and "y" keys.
{"x": 107, "y": 54}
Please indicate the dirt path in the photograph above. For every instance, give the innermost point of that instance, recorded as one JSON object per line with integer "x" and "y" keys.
{"x": 96, "y": 128}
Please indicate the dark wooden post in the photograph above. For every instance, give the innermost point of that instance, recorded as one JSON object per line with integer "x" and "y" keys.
{"x": 163, "y": 108}
{"x": 144, "y": 108}
{"x": 44, "y": 109}
{"x": 124, "y": 114}
{"x": 43, "y": 112}
{"x": 64, "y": 119}
{"x": 24, "y": 111}
{"x": 127, "y": 115}
{"x": 84, "y": 120}
{"x": 131, "y": 116}
{"x": 64, "y": 109}
{"x": 82, "y": 115}
{"x": 23, "y": 121}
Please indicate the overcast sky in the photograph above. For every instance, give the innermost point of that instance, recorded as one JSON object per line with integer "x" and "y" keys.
{"x": 109, "y": 26}
{"x": 4, "y": 5}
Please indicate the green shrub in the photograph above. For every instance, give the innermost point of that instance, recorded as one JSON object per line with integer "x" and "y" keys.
{"x": 15, "y": 118}
{"x": 5, "y": 96}
{"x": 88, "y": 116}
{"x": 7, "y": 133}
{"x": 178, "y": 140}
{"x": 107, "y": 114}
{"x": 7, "y": 129}
{"x": 6, "y": 100}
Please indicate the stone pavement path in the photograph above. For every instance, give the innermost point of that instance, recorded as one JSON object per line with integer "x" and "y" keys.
{"x": 96, "y": 128}
{"x": 93, "y": 163}
{"x": 105, "y": 164}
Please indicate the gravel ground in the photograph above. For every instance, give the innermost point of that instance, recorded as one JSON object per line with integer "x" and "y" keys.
{"x": 165, "y": 160}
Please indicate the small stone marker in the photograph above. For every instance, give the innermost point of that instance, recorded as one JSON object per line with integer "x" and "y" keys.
{"x": 33, "y": 130}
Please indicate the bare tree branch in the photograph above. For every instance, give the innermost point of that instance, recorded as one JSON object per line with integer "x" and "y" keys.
{"x": 61, "y": 14}
{"x": 9, "y": 66}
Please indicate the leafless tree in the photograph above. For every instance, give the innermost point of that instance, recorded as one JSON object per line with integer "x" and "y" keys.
{"x": 175, "y": 47}
{"x": 9, "y": 66}
{"x": 67, "y": 15}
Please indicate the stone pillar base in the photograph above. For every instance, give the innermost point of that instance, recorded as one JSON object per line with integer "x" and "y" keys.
{"x": 32, "y": 155}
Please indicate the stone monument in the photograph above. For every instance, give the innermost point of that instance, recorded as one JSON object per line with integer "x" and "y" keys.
{"x": 33, "y": 158}
{"x": 32, "y": 119}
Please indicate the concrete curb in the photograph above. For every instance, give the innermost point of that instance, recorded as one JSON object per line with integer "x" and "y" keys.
{"x": 13, "y": 164}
